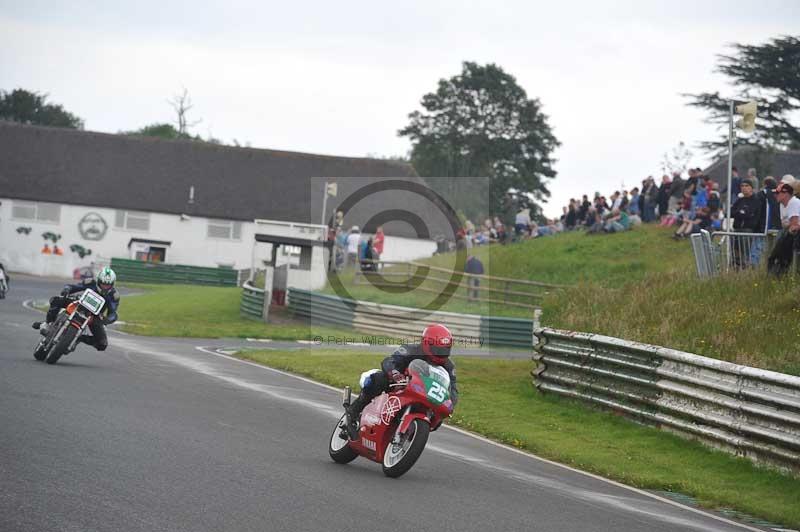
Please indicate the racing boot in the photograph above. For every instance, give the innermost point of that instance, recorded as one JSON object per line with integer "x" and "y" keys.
{"x": 41, "y": 326}
{"x": 353, "y": 413}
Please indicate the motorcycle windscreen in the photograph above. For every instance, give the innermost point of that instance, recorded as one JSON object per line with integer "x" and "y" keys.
{"x": 435, "y": 379}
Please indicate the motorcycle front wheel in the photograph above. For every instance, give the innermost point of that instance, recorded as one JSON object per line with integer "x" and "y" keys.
{"x": 340, "y": 451}
{"x": 62, "y": 345}
{"x": 404, "y": 450}
{"x": 40, "y": 352}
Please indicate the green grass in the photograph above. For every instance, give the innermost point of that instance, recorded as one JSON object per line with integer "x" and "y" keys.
{"x": 205, "y": 312}
{"x": 499, "y": 401}
{"x": 611, "y": 261}
{"x": 745, "y": 318}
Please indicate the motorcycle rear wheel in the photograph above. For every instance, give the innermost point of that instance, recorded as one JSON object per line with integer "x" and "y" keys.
{"x": 340, "y": 451}
{"x": 399, "y": 458}
{"x": 62, "y": 345}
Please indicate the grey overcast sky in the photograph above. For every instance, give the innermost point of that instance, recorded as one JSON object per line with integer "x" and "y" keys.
{"x": 340, "y": 78}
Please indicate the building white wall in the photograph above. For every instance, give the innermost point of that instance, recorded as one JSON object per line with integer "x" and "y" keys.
{"x": 407, "y": 249}
{"x": 190, "y": 244}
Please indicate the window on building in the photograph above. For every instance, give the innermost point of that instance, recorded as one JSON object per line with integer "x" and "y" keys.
{"x": 39, "y": 212}
{"x": 132, "y": 220}
{"x": 224, "y": 229}
{"x": 291, "y": 251}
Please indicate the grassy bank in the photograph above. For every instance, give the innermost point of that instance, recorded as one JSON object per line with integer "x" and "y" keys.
{"x": 499, "y": 401}
{"x": 614, "y": 260}
{"x": 205, "y": 312}
{"x": 746, "y": 318}
{"x": 641, "y": 285}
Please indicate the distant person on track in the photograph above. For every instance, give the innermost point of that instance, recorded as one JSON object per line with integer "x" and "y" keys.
{"x": 473, "y": 266}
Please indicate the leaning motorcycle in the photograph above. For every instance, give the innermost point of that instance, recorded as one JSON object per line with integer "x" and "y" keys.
{"x": 63, "y": 334}
{"x": 394, "y": 427}
{"x": 3, "y": 284}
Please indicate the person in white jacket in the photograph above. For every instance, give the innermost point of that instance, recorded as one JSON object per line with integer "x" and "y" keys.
{"x": 353, "y": 240}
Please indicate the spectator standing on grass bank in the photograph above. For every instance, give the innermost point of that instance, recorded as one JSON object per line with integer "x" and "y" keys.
{"x": 377, "y": 242}
{"x": 769, "y": 206}
{"x": 736, "y": 184}
{"x": 583, "y": 209}
{"x": 650, "y": 193}
{"x": 522, "y": 221}
{"x": 473, "y": 266}
{"x": 353, "y": 240}
{"x": 746, "y": 212}
{"x": 366, "y": 256}
{"x": 675, "y": 193}
{"x": 781, "y": 257}
{"x": 663, "y": 196}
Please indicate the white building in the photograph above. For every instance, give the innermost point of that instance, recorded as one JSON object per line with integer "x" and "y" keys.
{"x": 95, "y": 196}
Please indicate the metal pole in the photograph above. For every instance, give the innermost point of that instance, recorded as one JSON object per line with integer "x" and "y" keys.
{"x": 325, "y": 203}
{"x": 730, "y": 163}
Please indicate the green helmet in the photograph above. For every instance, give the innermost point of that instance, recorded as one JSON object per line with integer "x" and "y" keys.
{"x": 106, "y": 279}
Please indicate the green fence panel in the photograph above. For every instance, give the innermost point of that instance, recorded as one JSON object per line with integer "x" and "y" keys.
{"x": 321, "y": 308}
{"x": 252, "y": 304}
{"x": 148, "y": 272}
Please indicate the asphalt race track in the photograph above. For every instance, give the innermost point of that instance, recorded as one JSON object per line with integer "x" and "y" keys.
{"x": 158, "y": 435}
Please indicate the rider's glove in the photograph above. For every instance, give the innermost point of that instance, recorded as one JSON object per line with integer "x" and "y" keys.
{"x": 65, "y": 291}
{"x": 395, "y": 376}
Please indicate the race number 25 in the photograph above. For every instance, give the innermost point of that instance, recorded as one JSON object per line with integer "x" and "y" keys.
{"x": 437, "y": 392}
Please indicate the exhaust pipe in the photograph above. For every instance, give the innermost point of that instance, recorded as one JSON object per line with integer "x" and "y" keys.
{"x": 346, "y": 396}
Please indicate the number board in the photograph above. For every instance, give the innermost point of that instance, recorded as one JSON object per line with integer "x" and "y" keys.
{"x": 92, "y": 301}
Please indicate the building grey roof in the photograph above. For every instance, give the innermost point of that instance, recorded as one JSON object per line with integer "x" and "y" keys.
{"x": 776, "y": 164}
{"x": 149, "y": 174}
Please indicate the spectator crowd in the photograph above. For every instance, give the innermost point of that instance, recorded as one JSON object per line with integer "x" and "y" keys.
{"x": 688, "y": 204}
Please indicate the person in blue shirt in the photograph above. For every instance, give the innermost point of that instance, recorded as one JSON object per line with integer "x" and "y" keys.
{"x": 103, "y": 285}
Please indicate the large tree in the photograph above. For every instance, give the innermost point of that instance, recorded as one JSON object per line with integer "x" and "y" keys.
{"x": 29, "y": 107}
{"x": 768, "y": 73}
{"x": 481, "y": 123}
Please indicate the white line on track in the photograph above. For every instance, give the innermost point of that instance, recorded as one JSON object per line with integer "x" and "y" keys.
{"x": 511, "y": 449}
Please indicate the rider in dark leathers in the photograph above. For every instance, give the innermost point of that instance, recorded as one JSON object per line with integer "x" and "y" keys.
{"x": 434, "y": 349}
{"x": 103, "y": 285}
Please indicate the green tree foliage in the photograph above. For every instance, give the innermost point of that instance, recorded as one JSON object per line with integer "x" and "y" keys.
{"x": 162, "y": 131}
{"x": 29, "y": 107}
{"x": 768, "y": 73}
{"x": 481, "y": 123}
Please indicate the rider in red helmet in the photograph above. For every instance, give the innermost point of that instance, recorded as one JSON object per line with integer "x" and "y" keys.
{"x": 437, "y": 341}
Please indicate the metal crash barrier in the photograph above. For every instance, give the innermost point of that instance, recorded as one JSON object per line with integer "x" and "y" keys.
{"x": 470, "y": 330}
{"x": 746, "y": 411}
{"x": 252, "y": 304}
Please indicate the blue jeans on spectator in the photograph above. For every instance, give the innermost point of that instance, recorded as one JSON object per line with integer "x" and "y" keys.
{"x": 756, "y": 250}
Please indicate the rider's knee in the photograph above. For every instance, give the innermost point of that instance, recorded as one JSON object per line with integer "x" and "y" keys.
{"x": 101, "y": 346}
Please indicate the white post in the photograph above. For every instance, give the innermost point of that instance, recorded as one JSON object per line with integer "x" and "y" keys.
{"x": 325, "y": 203}
{"x": 269, "y": 275}
{"x": 730, "y": 164}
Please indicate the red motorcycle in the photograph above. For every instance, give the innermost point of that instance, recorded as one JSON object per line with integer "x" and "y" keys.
{"x": 394, "y": 427}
